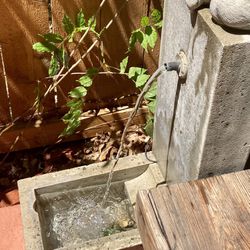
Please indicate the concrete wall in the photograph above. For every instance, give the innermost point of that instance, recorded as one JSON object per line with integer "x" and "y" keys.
{"x": 177, "y": 24}
{"x": 202, "y": 125}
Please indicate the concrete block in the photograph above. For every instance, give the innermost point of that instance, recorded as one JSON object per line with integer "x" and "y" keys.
{"x": 207, "y": 132}
{"x": 149, "y": 179}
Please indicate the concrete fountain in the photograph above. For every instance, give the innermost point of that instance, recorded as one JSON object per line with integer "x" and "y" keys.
{"x": 194, "y": 137}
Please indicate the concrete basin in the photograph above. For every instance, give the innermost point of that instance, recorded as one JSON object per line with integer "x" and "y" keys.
{"x": 131, "y": 174}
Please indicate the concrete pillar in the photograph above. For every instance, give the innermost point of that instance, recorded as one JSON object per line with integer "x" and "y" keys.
{"x": 202, "y": 125}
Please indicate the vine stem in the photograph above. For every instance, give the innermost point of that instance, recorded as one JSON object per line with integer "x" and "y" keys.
{"x": 130, "y": 119}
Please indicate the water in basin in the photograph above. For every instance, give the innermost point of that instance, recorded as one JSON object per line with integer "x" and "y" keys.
{"x": 72, "y": 217}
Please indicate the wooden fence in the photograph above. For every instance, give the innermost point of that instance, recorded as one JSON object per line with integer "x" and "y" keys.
{"x": 20, "y": 23}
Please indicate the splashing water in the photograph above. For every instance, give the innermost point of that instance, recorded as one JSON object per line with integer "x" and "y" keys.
{"x": 76, "y": 216}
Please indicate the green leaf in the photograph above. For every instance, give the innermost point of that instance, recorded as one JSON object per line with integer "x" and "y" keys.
{"x": 151, "y": 94}
{"x": 152, "y": 36}
{"x": 92, "y": 23}
{"x": 62, "y": 57}
{"x": 141, "y": 80}
{"x": 144, "y": 42}
{"x": 54, "y": 66}
{"x": 68, "y": 26}
{"x": 53, "y": 37}
{"x": 78, "y": 92}
{"x": 72, "y": 118}
{"x": 135, "y": 71}
{"x": 155, "y": 16}
{"x": 92, "y": 72}
{"x": 152, "y": 106}
{"x": 71, "y": 36}
{"x": 67, "y": 117}
{"x": 72, "y": 125}
{"x": 136, "y": 36}
{"x": 145, "y": 21}
{"x": 74, "y": 113}
{"x": 65, "y": 58}
{"x": 123, "y": 65}
{"x": 149, "y": 38}
{"x": 44, "y": 47}
{"x": 80, "y": 20}
{"x": 74, "y": 104}
{"x": 158, "y": 25}
{"x": 149, "y": 127}
{"x": 85, "y": 81}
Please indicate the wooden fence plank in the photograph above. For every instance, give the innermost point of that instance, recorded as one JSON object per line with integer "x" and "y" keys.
{"x": 21, "y": 22}
{"x": 31, "y": 137}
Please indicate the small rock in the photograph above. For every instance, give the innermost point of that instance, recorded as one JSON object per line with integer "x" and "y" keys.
{"x": 126, "y": 223}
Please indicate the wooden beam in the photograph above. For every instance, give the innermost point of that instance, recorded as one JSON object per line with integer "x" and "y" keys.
{"x": 26, "y": 136}
{"x": 212, "y": 213}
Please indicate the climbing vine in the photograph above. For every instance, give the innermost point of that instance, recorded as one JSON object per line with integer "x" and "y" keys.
{"x": 56, "y": 45}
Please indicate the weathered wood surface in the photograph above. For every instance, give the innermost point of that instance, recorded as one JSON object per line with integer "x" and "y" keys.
{"x": 212, "y": 213}
{"x": 26, "y": 136}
